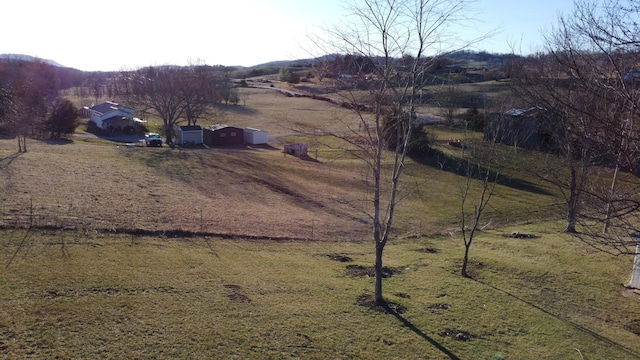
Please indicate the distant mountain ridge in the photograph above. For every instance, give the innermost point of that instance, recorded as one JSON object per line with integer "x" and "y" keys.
{"x": 30, "y": 58}
{"x": 459, "y": 57}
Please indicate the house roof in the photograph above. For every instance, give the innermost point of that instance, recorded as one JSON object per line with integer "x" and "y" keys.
{"x": 250, "y": 129}
{"x": 523, "y": 112}
{"x": 109, "y": 106}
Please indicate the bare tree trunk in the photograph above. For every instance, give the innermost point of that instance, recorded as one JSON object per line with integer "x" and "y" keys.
{"x": 605, "y": 228}
{"x": 379, "y": 299}
{"x": 465, "y": 260}
{"x": 572, "y": 211}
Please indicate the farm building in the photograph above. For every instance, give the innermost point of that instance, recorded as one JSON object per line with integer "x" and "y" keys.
{"x": 223, "y": 135}
{"x": 297, "y": 149}
{"x": 189, "y": 135}
{"x": 110, "y": 116}
{"x": 255, "y": 136}
{"x": 525, "y": 128}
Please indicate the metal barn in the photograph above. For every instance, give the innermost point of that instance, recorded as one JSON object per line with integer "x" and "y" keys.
{"x": 223, "y": 135}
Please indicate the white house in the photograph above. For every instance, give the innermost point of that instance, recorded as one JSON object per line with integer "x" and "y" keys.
{"x": 255, "y": 136}
{"x": 113, "y": 116}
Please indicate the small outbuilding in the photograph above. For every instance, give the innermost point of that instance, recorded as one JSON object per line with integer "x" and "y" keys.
{"x": 296, "y": 149}
{"x": 223, "y": 135}
{"x": 189, "y": 135}
{"x": 255, "y": 136}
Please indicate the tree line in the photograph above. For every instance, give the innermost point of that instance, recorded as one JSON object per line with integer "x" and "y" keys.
{"x": 30, "y": 102}
{"x": 176, "y": 93}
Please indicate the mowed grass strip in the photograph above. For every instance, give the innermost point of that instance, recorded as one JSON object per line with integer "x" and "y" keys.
{"x": 76, "y": 295}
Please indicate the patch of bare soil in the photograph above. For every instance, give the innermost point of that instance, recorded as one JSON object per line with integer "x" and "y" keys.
{"x": 428, "y": 250}
{"x": 519, "y": 235}
{"x": 388, "y": 307}
{"x": 340, "y": 258}
{"x": 234, "y": 294}
{"x": 370, "y": 271}
{"x": 438, "y": 306}
{"x": 456, "y": 334}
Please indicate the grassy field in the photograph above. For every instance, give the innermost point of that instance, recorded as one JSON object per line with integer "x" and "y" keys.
{"x": 247, "y": 253}
{"x": 74, "y": 295}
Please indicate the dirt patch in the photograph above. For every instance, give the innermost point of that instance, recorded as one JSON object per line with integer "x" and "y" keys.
{"x": 340, "y": 258}
{"x": 234, "y": 294}
{"x": 519, "y": 235}
{"x": 428, "y": 250}
{"x": 438, "y": 306}
{"x": 388, "y": 307}
{"x": 370, "y": 271}
{"x": 456, "y": 334}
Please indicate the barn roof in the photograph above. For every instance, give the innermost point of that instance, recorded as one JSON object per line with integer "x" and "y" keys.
{"x": 222, "y": 126}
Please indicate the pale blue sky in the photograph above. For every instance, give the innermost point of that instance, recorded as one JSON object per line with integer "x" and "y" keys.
{"x": 116, "y": 34}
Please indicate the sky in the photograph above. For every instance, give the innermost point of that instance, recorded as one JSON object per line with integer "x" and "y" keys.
{"x": 127, "y": 34}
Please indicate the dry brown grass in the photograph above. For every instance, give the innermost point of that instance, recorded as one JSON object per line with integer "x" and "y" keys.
{"x": 246, "y": 192}
{"x": 270, "y": 110}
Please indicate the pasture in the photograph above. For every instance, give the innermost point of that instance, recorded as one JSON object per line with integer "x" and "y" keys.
{"x": 116, "y": 252}
{"x": 97, "y": 295}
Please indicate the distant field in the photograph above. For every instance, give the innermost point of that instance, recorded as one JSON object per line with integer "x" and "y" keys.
{"x": 93, "y": 183}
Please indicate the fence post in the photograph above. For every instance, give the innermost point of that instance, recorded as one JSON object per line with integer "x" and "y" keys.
{"x": 30, "y": 212}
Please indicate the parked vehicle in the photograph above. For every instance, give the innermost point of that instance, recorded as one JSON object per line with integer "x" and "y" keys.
{"x": 153, "y": 139}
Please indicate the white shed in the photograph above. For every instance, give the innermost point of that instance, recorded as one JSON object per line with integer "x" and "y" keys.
{"x": 635, "y": 271}
{"x": 255, "y": 136}
{"x": 189, "y": 135}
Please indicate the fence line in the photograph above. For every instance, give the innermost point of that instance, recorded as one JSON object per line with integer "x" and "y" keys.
{"x": 199, "y": 225}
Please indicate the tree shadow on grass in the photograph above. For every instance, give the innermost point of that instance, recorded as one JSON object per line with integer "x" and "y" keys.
{"x": 60, "y": 141}
{"x": 420, "y": 333}
{"x": 7, "y": 160}
{"x": 397, "y": 310}
{"x": 566, "y": 321}
{"x": 455, "y": 165}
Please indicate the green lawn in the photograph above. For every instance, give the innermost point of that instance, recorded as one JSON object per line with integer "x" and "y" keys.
{"x": 76, "y": 295}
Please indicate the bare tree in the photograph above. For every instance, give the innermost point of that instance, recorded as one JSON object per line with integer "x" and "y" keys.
{"x": 481, "y": 167}
{"x": 377, "y": 34}
{"x": 567, "y": 157}
{"x": 591, "y": 82}
{"x": 158, "y": 89}
{"x": 198, "y": 86}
